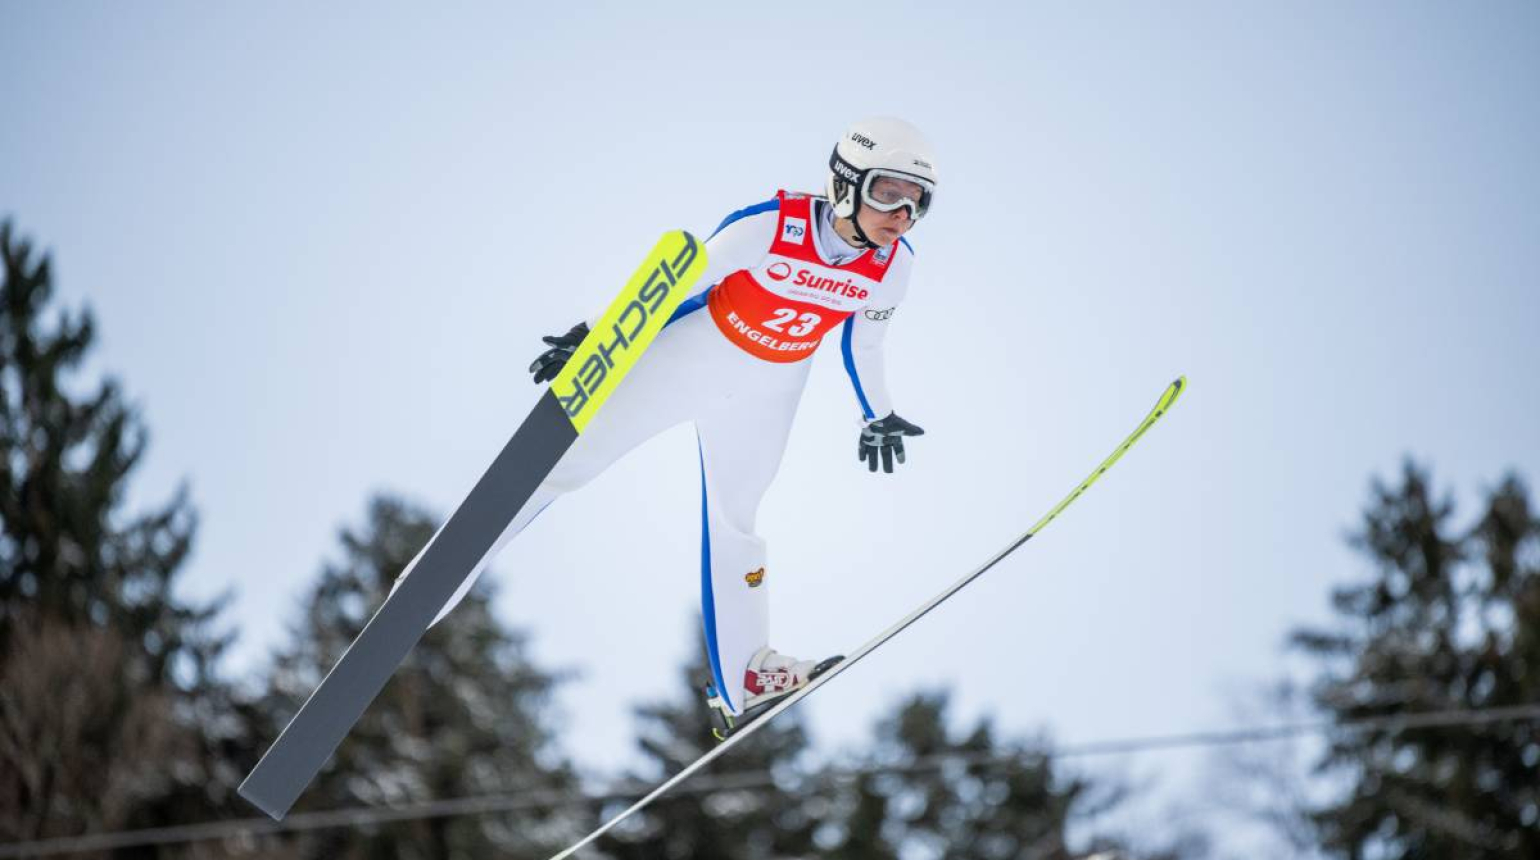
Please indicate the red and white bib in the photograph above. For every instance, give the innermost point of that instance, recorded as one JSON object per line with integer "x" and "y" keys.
{"x": 781, "y": 309}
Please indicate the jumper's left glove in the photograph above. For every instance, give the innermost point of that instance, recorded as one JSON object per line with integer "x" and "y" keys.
{"x": 550, "y": 362}
{"x": 885, "y": 438}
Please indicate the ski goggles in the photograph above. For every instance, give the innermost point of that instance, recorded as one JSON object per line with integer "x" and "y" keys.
{"x": 890, "y": 190}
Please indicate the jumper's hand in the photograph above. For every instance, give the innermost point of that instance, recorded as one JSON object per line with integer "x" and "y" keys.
{"x": 884, "y": 438}
{"x": 554, "y": 359}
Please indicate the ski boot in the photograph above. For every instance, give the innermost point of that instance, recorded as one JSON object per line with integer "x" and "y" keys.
{"x": 770, "y": 677}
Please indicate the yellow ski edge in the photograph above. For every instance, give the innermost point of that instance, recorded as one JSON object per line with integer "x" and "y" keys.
{"x": 628, "y": 326}
{"x": 1167, "y": 400}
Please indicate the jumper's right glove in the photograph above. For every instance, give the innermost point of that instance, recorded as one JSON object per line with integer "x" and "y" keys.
{"x": 885, "y": 438}
{"x": 561, "y": 346}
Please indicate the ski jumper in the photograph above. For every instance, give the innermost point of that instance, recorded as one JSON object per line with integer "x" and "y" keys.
{"x": 733, "y": 360}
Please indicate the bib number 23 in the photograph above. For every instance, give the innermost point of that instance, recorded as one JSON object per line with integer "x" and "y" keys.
{"x": 801, "y": 324}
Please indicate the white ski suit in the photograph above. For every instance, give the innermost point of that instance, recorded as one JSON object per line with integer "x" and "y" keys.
{"x": 733, "y": 360}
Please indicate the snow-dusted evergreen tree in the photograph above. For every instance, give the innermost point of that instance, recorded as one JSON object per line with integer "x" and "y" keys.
{"x": 1448, "y": 620}
{"x": 466, "y": 715}
{"x": 67, "y": 548}
{"x": 926, "y": 789}
{"x": 921, "y": 789}
{"x": 109, "y": 715}
{"x": 759, "y": 817}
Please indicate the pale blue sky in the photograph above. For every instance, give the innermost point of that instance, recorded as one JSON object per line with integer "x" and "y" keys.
{"x": 322, "y": 246}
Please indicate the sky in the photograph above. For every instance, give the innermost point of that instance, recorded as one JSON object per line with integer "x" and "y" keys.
{"x": 322, "y": 245}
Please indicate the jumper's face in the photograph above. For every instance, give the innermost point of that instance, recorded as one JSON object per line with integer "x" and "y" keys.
{"x": 884, "y": 228}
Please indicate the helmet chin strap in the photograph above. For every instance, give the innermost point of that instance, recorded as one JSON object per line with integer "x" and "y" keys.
{"x": 855, "y": 222}
{"x": 861, "y": 234}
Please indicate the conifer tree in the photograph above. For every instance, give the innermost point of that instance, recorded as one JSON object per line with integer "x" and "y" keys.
{"x": 466, "y": 715}
{"x": 1448, "y": 619}
{"x": 68, "y": 550}
{"x": 110, "y": 705}
{"x": 762, "y": 819}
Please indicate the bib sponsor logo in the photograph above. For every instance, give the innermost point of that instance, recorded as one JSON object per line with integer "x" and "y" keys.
{"x": 794, "y": 231}
{"x": 847, "y": 288}
{"x": 879, "y": 316}
{"x": 779, "y": 271}
{"x": 883, "y": 255}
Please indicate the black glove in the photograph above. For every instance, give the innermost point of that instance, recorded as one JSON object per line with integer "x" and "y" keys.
{"x": 886, "y": 436}
{"x": 561, "y": 346}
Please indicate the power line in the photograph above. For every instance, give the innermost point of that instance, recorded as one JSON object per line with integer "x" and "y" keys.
{"x": 1283, "y": 731}
{"x": 552, "y": 799}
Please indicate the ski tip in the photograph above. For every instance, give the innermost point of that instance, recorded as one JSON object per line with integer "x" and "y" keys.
{"x": 1172, "y": 393}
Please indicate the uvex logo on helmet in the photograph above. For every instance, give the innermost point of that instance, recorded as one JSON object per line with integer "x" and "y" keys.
{"x": 779, "y": 271}
{"x": 863, "y": 140}
{"x": 845, "y": 171}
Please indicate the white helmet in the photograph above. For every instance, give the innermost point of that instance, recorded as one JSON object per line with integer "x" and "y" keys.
{"x": 877, "y": 147}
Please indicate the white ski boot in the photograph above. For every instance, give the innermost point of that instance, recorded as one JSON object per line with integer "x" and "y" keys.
{"x": 770, "y": 676}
